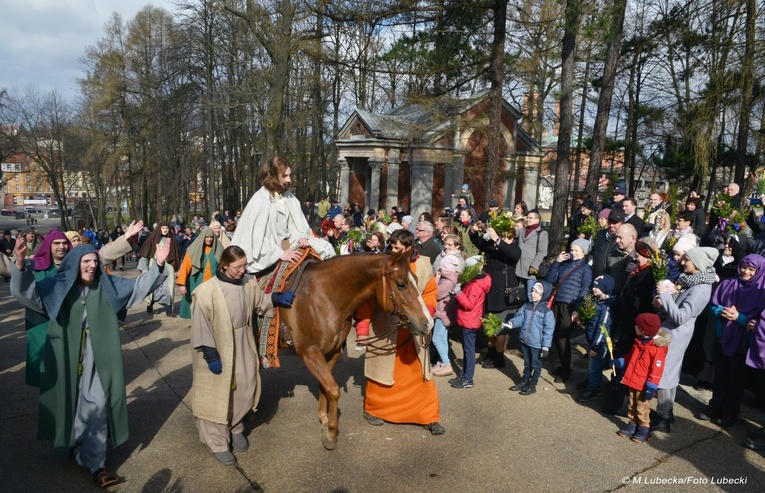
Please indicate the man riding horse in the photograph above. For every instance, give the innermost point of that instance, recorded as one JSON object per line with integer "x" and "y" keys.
{"x": 273, "y": 224}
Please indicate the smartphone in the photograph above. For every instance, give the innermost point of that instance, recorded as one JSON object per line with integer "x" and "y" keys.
{"x": 755, "y": 201}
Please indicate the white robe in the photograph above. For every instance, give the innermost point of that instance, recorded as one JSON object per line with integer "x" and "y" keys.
{"x": 258, "y": 235}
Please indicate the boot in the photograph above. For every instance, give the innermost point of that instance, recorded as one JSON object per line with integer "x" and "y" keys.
{"x": 660, "y": 424}
{"x": 488, "y": 361}
{"x": 643, "y": 434}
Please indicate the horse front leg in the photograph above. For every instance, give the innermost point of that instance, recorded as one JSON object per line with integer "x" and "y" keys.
{"x": 329, "y": 393}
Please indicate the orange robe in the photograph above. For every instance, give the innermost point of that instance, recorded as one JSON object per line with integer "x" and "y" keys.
{"x": 185, "y": 270}
{"x": 412, "y": 398}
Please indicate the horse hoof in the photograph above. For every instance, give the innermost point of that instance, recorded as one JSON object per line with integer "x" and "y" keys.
{"x": 329, "y": 444}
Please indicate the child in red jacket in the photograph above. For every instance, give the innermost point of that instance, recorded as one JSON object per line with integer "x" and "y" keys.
{"x": 470, "y": 303}
{"x": 643, "y": 366}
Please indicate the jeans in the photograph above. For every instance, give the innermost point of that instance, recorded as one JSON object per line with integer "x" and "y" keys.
{"x": 596, "y": 368}
{"x": 441, "y": 341}
{"x": 468, "y": 350}
{"x": 532, "y": 364}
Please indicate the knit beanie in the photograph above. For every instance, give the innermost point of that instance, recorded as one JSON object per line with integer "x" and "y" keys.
{"x": 604, "y": 213}
{"x": 605, "y": 283}
{"x": 684, "y": 244}
{"x": 702, "y": 257}
{"x": 583, "y": 244}
{"x": 648, "y": 323}
{"x": 539, "y": 288}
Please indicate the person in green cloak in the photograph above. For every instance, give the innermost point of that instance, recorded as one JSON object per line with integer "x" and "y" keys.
{"x": 82, "y": 382}
{"x": 199, "y": 264}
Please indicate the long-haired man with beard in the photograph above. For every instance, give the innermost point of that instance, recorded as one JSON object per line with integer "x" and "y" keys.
{"x": 273, "y": 223}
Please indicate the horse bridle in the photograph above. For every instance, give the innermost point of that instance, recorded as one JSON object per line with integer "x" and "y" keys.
{"x": 403, "y": 320}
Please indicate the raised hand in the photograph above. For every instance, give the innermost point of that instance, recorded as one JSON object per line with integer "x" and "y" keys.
{"x": 162, "y": 253}
{"x": 20, "y": 251}
{"x": 133, "y": 229}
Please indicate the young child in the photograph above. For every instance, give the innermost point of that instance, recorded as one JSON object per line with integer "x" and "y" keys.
{"x": 643, "y": 366}
{"x": 470, "y": 303}
{"x": 596, "y": 339}
{"x": 446, "y": 311}
{"x": 537, "y": 324}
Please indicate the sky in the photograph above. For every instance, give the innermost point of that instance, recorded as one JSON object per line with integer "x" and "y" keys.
{"x": 41, "y": 41}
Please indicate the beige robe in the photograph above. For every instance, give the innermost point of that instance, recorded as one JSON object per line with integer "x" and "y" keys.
{"x": 379, "y": 363}
{"x": 115, "y": 249}
{"x": 227, "y": 324}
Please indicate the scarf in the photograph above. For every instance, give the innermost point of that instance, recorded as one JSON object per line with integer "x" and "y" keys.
{"x": 687, "y": 281}
{"x": 224, "y": 278}
{"x": 529, "y": 229}
{"x": 746, "y": 296}
{"x": 53, "y": 290}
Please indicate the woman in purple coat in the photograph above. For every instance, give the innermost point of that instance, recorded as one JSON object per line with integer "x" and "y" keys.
{"x": 735, "y": 302}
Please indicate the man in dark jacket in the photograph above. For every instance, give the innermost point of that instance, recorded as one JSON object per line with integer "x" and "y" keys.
{"x": 605, "y": 241}
{"x": 425, "y": 244}
{"x": 630, "y": 215}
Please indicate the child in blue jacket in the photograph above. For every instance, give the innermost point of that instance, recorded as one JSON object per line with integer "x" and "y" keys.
{"x": 536, "y": 324}
{"x": 596, "y": 339}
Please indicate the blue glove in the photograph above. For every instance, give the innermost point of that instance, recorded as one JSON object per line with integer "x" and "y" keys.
{"x": 283, "y": 299}
{"x": 215, "y": 366}
{"x": 717, "y": 309}
{"x": 650, "y": 390}
{"x": 212, "y": 357}
{"x": 619, "y": 363}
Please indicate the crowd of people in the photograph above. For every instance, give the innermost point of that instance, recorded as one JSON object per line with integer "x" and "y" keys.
{"x": 654, "y": 294}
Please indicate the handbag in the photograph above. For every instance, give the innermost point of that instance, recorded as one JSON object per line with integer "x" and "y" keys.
{"x": 514, "y": 296}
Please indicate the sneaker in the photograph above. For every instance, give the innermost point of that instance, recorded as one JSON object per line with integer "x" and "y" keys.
{"x": 463, "y": 384}
{"x": 757, "y": 434}
{"x": 443, "y": 371}
{"x": 643, "y": 434}
{"x": 359, "y": 347}
{"x": 519, "y": 386}
{"x": 755, "y": 443}
{"x": 457, "y": 380}
{"x": 435, "y": 367}
{"x": 487, "y": 363}
{"x": 628, "y": 431}
{"x": 239, "y": 442}
{"x": 528, "y": 390}
{"x": 587, "y": 395}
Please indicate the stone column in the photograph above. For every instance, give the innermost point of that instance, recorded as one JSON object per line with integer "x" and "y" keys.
{"x": 530, "y": 184}
{"x": 345, "y": 183}
{"x": 422, "y": 188}
{"x": 509, "y": 186}
{"x": 455, "y": 181}
{"x": 373, "y": 193}
{"x": 391, "y": 194}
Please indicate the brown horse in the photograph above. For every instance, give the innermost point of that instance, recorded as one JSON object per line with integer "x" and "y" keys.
{"x": 326, "y": 297}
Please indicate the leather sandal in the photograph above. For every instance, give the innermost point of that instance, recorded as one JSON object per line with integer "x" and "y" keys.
{"x": 104, "y": 479}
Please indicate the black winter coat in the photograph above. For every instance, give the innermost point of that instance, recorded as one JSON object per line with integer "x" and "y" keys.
{"x": 500, "y": 265}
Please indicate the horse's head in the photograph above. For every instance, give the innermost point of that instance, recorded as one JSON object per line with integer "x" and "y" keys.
{"x": 400, "y": 296}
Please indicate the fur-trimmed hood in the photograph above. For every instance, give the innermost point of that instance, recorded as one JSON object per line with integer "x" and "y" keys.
{"x": 662, "y": 338}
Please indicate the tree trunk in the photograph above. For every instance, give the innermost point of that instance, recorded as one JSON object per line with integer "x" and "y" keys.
{"x": 614, "y": 41}
{"x": 747, "y": 85}
{"x": 495, "y": 105}
{"x": 566, "y": 127}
